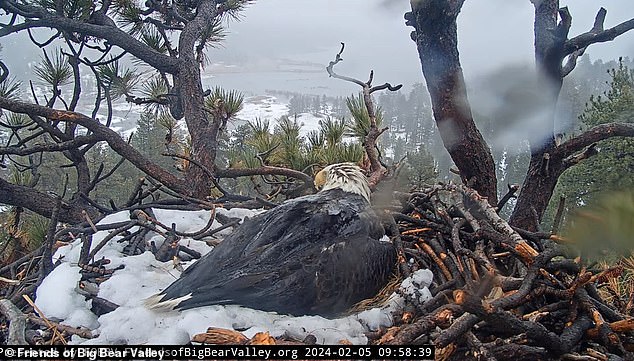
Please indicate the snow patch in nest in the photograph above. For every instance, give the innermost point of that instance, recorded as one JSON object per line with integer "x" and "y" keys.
{"x": 132, "y": 323}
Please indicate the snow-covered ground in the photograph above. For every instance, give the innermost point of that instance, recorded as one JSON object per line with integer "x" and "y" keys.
{"x": 263, "y": 107}
{"x": 267, "y": 107}
{"x": 144, "y": 276}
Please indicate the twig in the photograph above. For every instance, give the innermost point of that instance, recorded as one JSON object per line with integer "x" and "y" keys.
{"x": 216, "y": 230}
{"x": 135, "y": 195}
{"x": 57, "y": 327}
{"x": 21, "y": 260}
{"x": 90, "y": 222}
{"x": 46, "y": 321}
{"x": 369, "y": 141}
{"x": 84, "y": 254}
{"x": 512, "y": 189}
{"x": 442, "y": 316}
{"x": 17, "y": 323}
{"x": 185, "y": 198}
{"x": 398, "y": 244}
{"x": 110, "y": 236}
{"x": 46, "y": 263}
{"x": 519, "y": 244}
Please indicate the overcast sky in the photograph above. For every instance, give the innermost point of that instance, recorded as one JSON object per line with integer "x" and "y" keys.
{"x": 491, "y": 33}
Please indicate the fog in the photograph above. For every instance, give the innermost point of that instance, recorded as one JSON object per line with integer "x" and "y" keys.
{"x": 285, "y": 45}
{"x": 306, "y": 34}
{"x": 492, "y": 34}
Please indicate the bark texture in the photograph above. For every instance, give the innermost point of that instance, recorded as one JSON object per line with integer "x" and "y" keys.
{"x": 548, "y": 160}
{"x": 436, "y": 40}
{"x": 435, "y": 35}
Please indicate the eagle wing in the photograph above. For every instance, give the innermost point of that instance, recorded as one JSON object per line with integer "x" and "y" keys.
{"x": 317, "y": 254}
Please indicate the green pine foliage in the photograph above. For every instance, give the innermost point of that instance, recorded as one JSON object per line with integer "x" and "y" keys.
{"x": 420, "y": 169}
{"x": 613, "y": 168}
{"x": 604, "y": 228}
{"x": 117, "y": 80}
{"x": 359, "y": 125}
{"x": 21, "y": 232}
{"x": 54, "y": 70}
{"x": 284, "y": 146}
{"x": 258, "y": 143}
{"x": 334, "y": 147}
{"x": 155, "y": 89}
{"x": 224, "y": 104}
{"x": 336, "y": 140}
{"x": 74, "y": 9}
{"x": 153, "y": 38}
{"x": 211, "y": 37}
{"x": 136, "y": 83}
{"x": 149, "y": 137}
{"x": 129, "y": 16}
{"x": 10, "y": 88}
{"x": 149, "y": 140}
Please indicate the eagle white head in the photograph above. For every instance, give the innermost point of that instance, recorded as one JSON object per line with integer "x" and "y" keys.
{"x": 345, "y": 176}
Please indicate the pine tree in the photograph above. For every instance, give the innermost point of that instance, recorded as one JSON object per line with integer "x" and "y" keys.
{"x": 612, "y": 169}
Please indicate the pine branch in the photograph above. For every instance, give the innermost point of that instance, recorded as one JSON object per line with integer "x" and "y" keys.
{"x": 103, "y": 28}
{"x": 593, "y": 135}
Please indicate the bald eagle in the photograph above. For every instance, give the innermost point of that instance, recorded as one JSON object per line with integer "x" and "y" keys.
{"x": 314, "y": 255}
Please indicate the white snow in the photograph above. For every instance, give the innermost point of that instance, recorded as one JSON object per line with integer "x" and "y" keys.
{"x": 144, "y": 276}
{"x": 270, "y": 108}
{"x": 263, "y": 107}
{"x": 415, "y": 286}
{"x": 239, "y": 212}
{"x": 308, "y": 122}
{"x": 62, "y": 301}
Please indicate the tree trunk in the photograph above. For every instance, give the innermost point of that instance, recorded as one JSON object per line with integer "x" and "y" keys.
{"x": 545, "y": 166}
{"x": 437, "y": 43}
{"x": 541, "y": 178}
{"x": 203, "y": 129}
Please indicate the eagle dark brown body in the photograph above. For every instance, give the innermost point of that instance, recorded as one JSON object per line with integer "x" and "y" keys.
{"x": 313, "y": 255}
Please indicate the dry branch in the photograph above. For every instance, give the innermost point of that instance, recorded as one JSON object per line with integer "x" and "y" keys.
{"x": 597, "y": 34}
{"x": 83, "y": 333}
{"x": 512, "y": 189}
{"x": 518, "y": 287}
{"x": 370, "y": 141}
{"x": 103, "y": 133}
{"x": 265, "y": 170}
{"x": 498, "y": 292}
{"x": 17, "y": 322}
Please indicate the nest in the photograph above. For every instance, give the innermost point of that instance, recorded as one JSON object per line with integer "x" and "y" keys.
{"x": 499, "y": 292}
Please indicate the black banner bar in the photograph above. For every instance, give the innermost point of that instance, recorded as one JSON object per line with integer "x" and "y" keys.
{"x": 219, "y": 352}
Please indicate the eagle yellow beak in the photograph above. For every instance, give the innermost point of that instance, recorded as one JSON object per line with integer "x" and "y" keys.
{"x": 320, "y": 179}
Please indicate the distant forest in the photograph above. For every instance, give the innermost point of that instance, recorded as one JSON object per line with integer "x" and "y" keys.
{"x": 500, "y": 100}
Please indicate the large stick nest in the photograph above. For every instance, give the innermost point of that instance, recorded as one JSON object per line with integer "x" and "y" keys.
{"x": 501, "y": 293}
